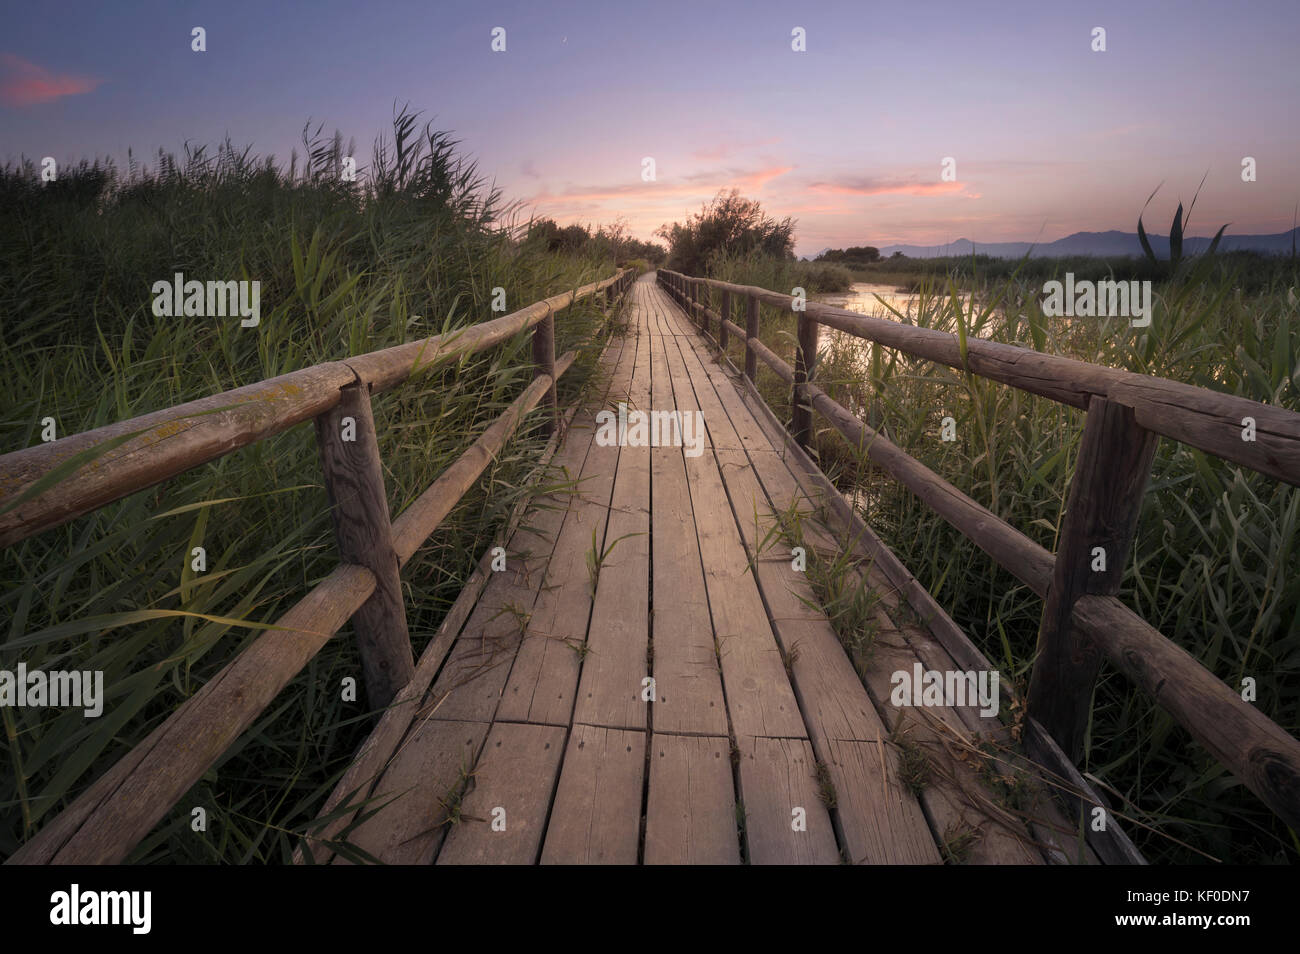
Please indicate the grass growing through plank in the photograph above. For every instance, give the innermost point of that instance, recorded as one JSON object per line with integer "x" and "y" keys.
{"x": 414, "y": 249}
{"x": 1213, "y": 558}
{"x": 839, "y": 583}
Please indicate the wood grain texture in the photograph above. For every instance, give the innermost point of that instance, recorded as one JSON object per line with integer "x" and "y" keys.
{"x": 1102, "y": 510}
{"x": 688, "y": 686}
{"x": 155, "y": 447}
{"x": 691, "y": 809}
{"x": 778, "y": 776}
{"x": 544, "y": 361}
{"x": 596, "y": 817}
{"x": 544, "y": 678}
{"x": 615, "y": 664}
{"x": 751, "y": 336}
{"x": 1255, "y": 748}
{"x": 419, "y": 792}
{"x": 354, "y": 483}
{"x": 511, "y": 785}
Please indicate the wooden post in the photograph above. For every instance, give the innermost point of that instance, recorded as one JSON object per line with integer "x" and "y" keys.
{"x": 722, "y": 322}
{"x": 803, "y": 371}
{"x": 1101, "y": 516}
{"x": 354, "y": 481}
{"x": 751, "y": 334}
{"x": 544, "y": 360}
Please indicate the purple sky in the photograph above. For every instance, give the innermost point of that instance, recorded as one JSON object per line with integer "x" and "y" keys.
{"x": 1049, "y": 137}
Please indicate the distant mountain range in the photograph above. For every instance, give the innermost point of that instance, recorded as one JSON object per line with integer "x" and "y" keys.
{"x": 1093, "y": 243}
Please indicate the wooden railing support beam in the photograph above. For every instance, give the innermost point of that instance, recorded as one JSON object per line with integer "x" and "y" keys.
{"x": 751, "y": 334}
{"x": 804, "y": 361}
{"x": 354, "y": 481}
{"x": 544, "y": 362}
{"x": 1101, "y": 515}
{"x": 724, "y": 317}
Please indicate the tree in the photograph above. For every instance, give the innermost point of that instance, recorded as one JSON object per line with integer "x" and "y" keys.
{"x": 729, "y": 224}
{"x": 857, "y": 255}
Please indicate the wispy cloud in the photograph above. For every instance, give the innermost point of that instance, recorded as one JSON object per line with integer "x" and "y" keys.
{"x": 695, "y": 184}
{"x": 23, "y": 83}
{"x": 872, "y": 186}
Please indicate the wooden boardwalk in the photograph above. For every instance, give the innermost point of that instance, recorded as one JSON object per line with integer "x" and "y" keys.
{"x": 649, "y": 680}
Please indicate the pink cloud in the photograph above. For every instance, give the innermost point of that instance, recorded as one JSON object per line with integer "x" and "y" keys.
{"x": 703, "y": 184}
{"x": 26, "y": 84}
{"x": 870, "y": 186}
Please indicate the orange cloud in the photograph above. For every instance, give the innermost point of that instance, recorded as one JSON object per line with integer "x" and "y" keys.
{"x": 886, "y": 187}
{"x": 26, "y": 84}
{"x": 699, "y": 184}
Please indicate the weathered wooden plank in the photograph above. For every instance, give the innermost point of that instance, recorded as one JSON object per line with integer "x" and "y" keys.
{"x": 503, "y": 816}
{"x": 470, "y": 685}
{"x": 544, "y": 678}
{"x": 1101, "y": 513}
{"x": 883, "y": 822}
{"x": 759, "y": 697}
{"x": 419, "y": 793}
{"x": 938, "y": 641}
{"x": 956, "y": 800}
{"x": 354, "y": 484}
{"x": 379, "y": 746}
{"x": 703, "y": 372}
{"x": 691, "y": 808}
{"x": 596, "y": 817}
{"x": 783, "y": 490}
{"x": 615, "y": 664}
{"x": 688, "y": 687}
{"x": 778, "y": 793}
{"x": 888, "y": 825}
{"x": 119, "y": 809}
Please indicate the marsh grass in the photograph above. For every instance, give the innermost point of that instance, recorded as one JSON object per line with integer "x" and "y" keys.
{"x": 414, "y": 249}
{"x": 1215, "y": 558}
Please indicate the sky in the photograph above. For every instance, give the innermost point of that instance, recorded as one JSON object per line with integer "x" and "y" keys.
{"x": 847, "y": 136}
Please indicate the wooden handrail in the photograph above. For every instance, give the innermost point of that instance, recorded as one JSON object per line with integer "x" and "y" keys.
{"x": 146, "y": 450}
{"x": 1207, "y": 420}
{"x": 1082, "y": 616}
{"x": 108, "y": 819}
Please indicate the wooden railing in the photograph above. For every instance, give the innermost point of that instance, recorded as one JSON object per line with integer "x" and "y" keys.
{"x": 47, "y": 485}
{"x": 1082, "y": 618}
